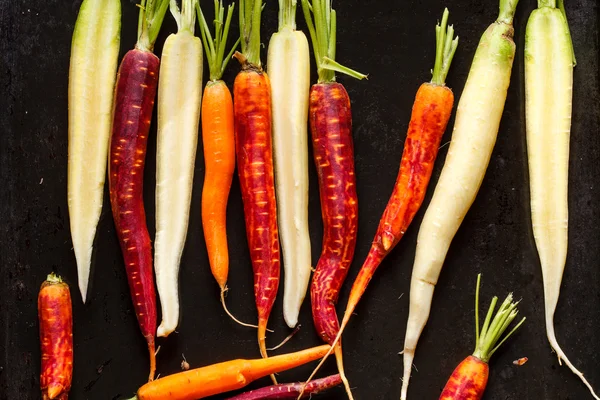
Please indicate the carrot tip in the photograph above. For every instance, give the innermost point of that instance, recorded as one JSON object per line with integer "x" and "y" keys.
{"x": 223, "y": 290}
{"x": 152, "y": 353}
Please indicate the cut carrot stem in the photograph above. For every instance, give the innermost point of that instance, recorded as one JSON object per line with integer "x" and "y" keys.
{"x": 56, "y": 338}
{"x": 223, "y": 377}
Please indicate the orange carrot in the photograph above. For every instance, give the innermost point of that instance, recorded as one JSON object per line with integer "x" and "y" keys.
{"x": 56, "y": 338}
{"x": 469, "y": 379}
{"x": 219, "y": 146}
{"x": 223, "y": 377}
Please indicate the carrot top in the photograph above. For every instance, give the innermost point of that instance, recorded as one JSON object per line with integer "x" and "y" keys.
{"x": 493, "y": 329}
{"x": 444, "y": 51}
{"x": 186, "y": 18}
{"x": 287, "y": 14}
{"x": 215, "y": 48}
{"x": 322, "y": 27}
{"x": 152, "y": 14}
{"x": 250, "y": 12}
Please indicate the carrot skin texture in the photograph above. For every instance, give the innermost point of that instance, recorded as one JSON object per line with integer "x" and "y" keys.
{"x": 134, "y": 101}
{"x": 290, "y": 390}
{"x": 254, "y": 151}
{"x": 331, "y": 126}
{"x": 219, "y": 155}
{"x": 468, "y": 381}
{"x": 223, "y": 377}
{"x": 430, "y": 115}
{"x": 56, "y": 339}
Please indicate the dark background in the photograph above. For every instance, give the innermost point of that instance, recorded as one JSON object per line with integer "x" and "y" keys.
{"x": 394, "y": 42}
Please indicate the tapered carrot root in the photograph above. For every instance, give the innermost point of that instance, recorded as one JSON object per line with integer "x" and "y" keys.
{"x": 56, "y": 338}
{"x": 468, "y": 381}
{"x": 223, "y": 377}
{"x": 134, "y": 101}
{"x": 252, "y": 110}
{"x": 290, "y": 390}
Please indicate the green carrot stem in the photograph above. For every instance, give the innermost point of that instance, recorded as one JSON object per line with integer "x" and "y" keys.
{"x": 561, "y": 6}
{"x": 445, "y": 49}
{"x": 186, "y": 18}
{"x": 250, "y": 13}
{"x": 287, "y": 14}
{"x": 215, "y": 48}
{"x": 152, "y": 14}
{"x": 321, "y": 20}
{"x": 507, "y": 11}
{"x": 488, "y": 339}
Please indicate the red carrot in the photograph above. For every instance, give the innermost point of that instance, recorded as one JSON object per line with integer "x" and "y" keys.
{"x": 56, "y": 338}
{"x": 290, "y": 390}
{"x": 469, "y": 379}
{"x": 331, "y": 126}
{"x": 430, "y": 115}
{"x": 134, "y": 101}
{"x": 253, "y": 147}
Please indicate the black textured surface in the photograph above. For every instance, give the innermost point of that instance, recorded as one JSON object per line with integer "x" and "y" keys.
{"x": 394, "y": 42}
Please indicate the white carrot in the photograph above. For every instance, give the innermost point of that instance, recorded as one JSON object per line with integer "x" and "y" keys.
{"x": 549, "y": 65}
{"x": 179, "y": 95}
{"x": 92, "y": 74}
{"x": 477, "y": 121}
{"x": 288, "y": 66}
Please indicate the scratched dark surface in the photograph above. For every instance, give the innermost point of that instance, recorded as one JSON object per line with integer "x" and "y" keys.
{"x": 394, "y": 42}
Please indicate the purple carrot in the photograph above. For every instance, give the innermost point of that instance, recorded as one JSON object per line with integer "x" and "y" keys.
{"x": 290, "y": 390}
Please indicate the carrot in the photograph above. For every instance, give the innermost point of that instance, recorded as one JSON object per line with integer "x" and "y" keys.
{"x": 290, "y": 390}
{"x": 179, "y": 94}
{"x": 219, "y": 146}
{"x": 253, "y": 147}
{"x": 331, "y": 127}
{"x": 56, "y": 338}
{"x": 134, "y": 100}
{"x": 94, "y": 55}
{"x": 477, "y": 121}
{"x": 549, "y": 63}
{"x": 288, "y": 63}
{"x": 469, "y": 379}
{"x": 223, "y": 377}
{"x": 430, "y": 115}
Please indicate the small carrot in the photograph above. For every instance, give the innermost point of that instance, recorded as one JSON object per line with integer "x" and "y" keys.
{"x": 290, "y": 390}
{"x": 254, "y": 151}
{"x": 56, "y": 338}
{"x": 219, "y": 146}
{"x": 223, "y": 377}
{"x": 469, "y": 379}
